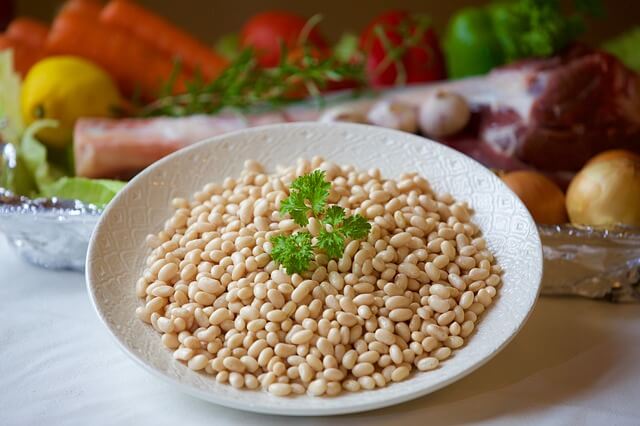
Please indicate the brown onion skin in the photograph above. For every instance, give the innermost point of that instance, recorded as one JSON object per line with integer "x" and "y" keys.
{"x": 606, "y": 193}
{"x": 542, "y": 197}
{"x": 614, "y": 153}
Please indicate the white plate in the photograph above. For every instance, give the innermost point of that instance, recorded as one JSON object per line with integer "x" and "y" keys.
{"x": 117, "y": 250}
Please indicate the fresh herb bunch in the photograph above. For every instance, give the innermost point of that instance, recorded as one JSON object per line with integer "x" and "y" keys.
{"x": 244, "y": 84}
{"x": 539, "y": 28}
{"x": 308, "y": 197}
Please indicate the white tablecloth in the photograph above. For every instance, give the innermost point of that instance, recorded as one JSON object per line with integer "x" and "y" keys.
{"x": 575, "y": 362}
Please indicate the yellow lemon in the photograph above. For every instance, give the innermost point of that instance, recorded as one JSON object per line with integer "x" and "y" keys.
{"x": 65, "y": 88}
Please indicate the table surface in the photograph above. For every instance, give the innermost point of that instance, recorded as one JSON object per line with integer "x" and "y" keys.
{"x": 575, "y": 362}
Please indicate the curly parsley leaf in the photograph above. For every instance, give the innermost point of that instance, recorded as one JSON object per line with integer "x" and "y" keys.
{"x": 295, "y": 205}
{"x": 355, "y": 227}
{"x": 334, "y": 215}
{"x": 313, "y": 188}
{"x": 294, "y": 251}
{"x": 332, "y": 243}
{"x": 308, "y": 196}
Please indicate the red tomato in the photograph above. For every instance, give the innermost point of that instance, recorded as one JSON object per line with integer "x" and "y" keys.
{"x": 265, "y": 31}
{"x": 422, "y": 61}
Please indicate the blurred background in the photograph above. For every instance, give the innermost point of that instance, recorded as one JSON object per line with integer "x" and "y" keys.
{"x": 210, "y": 19}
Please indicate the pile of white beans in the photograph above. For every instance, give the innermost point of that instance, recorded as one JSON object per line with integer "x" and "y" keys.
{"x": 402, "y": 299}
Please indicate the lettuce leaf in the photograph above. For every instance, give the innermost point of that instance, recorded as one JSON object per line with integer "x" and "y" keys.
{"x": 94, "y": 191}
{"x": 14, "y": 175}
{"x": 10, "y": 116}
{"x": 51, "y": 180}
{"x": 34, "y": 155}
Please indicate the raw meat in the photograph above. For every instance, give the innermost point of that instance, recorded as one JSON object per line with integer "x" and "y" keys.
{"x": 552, "y": 114}
{"x": 584, "y": 102}
{"x": 123, "y": 147}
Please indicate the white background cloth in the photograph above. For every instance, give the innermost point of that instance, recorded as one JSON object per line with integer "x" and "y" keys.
{"x": 575, "y": 362}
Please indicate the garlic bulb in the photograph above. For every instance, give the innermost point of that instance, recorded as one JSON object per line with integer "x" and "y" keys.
{"x": 394, "y": 115}
{"x": 443, "y": 114}
{"x": 352, "y": 113}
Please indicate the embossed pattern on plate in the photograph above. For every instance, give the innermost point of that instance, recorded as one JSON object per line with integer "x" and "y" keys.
{"x": 117, "y": 250}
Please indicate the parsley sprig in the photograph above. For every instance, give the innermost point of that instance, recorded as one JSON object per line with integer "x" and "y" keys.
{"x": 308, "y": 197}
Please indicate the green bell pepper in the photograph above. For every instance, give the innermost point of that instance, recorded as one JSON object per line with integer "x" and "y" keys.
{"x": 471, "y": 45}
{"x": 479, "y": 39}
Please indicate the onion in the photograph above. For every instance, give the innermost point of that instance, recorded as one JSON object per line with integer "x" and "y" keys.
{"x": 542, "y": 197}
{"x": 394, "y": 115}
{"x": 606, "y": 193}
{"x": 614, "y": 153}
{"x": 443, "y": 114}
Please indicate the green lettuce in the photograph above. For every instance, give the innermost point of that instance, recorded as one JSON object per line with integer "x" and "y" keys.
{"x": 50, "y": 179}
{"x": 34, "y": 155}
{"x": 13, "y": 173}
{"x": 10, "y": 116}
{"x": 94, "y": 191}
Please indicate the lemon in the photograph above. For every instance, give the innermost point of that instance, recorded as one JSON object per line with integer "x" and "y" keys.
{"x": 65, "y": 88}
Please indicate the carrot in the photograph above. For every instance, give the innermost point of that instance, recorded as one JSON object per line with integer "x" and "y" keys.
{"x": 29, "y": 31}
{"x": 24, "y": 56}
{"x": 132, "y": 62}
{"x": 87, "y": 8}
{"x": 165, "y": 36}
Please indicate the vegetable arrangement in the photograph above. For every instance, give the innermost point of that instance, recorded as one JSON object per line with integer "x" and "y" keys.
{"x": 127, "y": 61}
{"x": 307, "y": 202}
{"x": 40, "y": 171}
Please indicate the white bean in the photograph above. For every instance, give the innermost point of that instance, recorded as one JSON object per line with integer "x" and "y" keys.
{"x": 403, "y": 297}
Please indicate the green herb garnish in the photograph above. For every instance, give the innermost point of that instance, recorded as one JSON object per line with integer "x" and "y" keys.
{"x": 245, "y": 85}
{"x": 308, "y": 198}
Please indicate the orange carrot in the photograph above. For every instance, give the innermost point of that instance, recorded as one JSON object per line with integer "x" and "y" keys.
{"x": 132, "y": 62}
{"x": 165, "y": 36}
{"x": 88, "y": 8}
{"x": 24, "y": 56}
{"x": 29, "y": 31}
